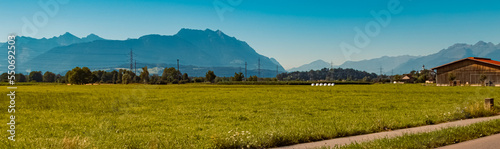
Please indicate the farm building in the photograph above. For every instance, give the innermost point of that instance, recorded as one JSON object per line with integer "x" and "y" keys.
{"x": 469, "y": 71}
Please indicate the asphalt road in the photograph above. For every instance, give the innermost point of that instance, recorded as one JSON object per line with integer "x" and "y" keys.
{"x": 389, "y": 134}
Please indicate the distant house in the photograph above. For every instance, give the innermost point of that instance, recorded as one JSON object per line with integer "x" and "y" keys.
{"x": 468, "y": 71}
{"x": 407, "y": 78}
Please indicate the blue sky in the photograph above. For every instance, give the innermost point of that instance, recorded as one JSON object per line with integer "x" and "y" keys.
{"x": 293, "y": 32}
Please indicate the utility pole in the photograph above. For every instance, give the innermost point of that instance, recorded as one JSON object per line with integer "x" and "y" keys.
{"x": 131, "y": 60}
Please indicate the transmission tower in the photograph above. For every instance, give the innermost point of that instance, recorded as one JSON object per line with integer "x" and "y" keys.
{"x": 178, "y": 65}
{"x": 135, "y": 66}
{"x": 276, "y": 70}
{"x": 331, "y": 70}
{"x": 258, "y": 67}
{"x": 380, "y": 70}
{"x": 131, "y": 60}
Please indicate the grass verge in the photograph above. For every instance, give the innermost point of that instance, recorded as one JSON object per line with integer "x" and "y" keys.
{"x": 433, "y": 139}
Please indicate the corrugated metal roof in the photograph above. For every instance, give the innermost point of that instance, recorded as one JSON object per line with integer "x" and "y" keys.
{"x": 479, "y": 59}
{"x": 486, "y": 60}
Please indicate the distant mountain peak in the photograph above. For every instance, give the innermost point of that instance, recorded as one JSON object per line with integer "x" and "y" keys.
{"x": 452, "y": 53}
{"x": 482, "y": 43}
{"x": 194, "y": 48}
{"x": 92, "y": 37}
{"x": 188, "y": 30}
{"x": 458, "y": 45}
{"x": 191, "y": 32}
{"x": 315, "y": 65}
{"x": 319, "y": 61}
{"x": 209, "y": 30}
{"x": 68, "y": 35}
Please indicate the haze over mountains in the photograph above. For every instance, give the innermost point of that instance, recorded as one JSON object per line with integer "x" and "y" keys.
{"x": 200, "y": 51}
{"x": 406, "y": 63}
{"x": 28, "y": 48}
{"x": 316, "y": 65}
{"x": 197, "y": 50}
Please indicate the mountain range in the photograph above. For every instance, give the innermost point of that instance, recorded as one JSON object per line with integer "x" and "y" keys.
{"x": 201, "y": 50}
{"x": 316, "y": 65}
{"x": 407, "y": 63}
{"x": 28, "y": 48}
{"x": 196, "y": 50}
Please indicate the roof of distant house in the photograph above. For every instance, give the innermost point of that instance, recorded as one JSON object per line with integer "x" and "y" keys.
{"x": 478, "y": 59}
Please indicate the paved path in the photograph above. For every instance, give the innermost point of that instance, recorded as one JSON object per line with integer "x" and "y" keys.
{"x": 489, "y": 142}
{"x": 395, "y": 133}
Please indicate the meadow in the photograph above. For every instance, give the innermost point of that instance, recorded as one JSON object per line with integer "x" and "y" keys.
{"x": 226, "y": 116}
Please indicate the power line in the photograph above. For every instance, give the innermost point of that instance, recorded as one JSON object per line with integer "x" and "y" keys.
{"x": 380, "y": 70}
{"x": 258, "y": 68}
{"x": 246, "y": 71}
{"x": 131, "y": 60}
{"x": 276, "y": 70}
{"x": 331, "y": 70}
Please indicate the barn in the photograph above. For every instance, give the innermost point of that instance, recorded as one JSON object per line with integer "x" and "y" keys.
{"x": 469, "y": 71}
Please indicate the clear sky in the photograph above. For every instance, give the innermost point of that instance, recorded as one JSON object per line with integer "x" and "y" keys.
{"x": 293, "y": 32}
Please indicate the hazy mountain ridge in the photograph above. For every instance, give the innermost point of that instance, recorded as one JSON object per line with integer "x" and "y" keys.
{"x": 407, "y": 63}
{"x": 28, "y": 48}
{"x": 453, "y": 53}
{"x": 387, "y": 63}
{"x": 201, "y": 50}
{"x": 371, "y": 65}
{"x": 196, "y": 50}
{"x": 315, "y": 65}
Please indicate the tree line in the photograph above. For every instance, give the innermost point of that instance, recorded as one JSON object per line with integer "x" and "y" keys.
{"x": 336, "y": 74}
{"x": 171, "y": 75}
{"x": 84, "y": 75}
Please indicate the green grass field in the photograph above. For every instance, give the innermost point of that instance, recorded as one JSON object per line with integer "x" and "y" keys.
{"x": 226, "y": 116}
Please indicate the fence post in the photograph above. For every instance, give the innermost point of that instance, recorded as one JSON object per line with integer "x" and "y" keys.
{"x": 489, "y": 103}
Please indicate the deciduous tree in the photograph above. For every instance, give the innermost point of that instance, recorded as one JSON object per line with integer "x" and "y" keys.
{"x": 36, "y": 76}
{"x": 49, "y": 77}
{"x": 210, "y": 76}
{"x": 145, "y": 75}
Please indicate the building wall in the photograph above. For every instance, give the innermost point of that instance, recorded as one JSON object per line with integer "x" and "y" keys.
{"x": 468, "y": 71}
